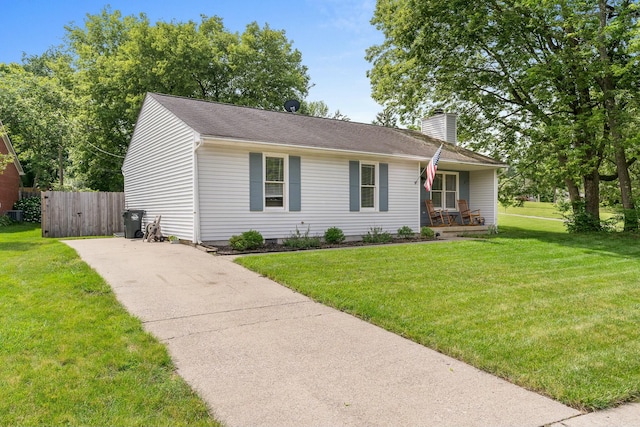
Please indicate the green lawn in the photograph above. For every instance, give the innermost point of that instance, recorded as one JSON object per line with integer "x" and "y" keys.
{"x": 547, "y": 210}
{"x": 553, "y": 312}
{"x": 541, "y": 209}
{"x": 70, "y": 353}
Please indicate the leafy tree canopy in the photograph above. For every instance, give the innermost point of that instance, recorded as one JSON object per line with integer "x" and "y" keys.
{"x": 321, "y": 109}
{"x": 550, "y": 86}
{"x": 39, "y": 114}
{"x": 75, "y": 106}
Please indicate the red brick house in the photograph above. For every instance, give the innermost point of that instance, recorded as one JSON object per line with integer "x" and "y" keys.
{"x": 10, "y": 178}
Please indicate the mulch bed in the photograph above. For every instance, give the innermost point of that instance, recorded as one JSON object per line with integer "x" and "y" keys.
{"x": 278, "y": 247}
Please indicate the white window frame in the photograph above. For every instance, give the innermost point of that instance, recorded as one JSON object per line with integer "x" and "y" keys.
{"x": 376, "y": 186}
{"x": 443, "y": 174}
{"x": 285, "y": 186}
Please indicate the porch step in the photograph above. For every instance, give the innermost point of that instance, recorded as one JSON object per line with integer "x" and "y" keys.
{"x": 461, "y": 230}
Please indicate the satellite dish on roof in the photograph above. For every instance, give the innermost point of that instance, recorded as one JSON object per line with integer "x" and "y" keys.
{"x": 292, "y": 105}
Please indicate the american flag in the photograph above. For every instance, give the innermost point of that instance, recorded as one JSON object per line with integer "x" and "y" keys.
{"x": 431, "y": 169}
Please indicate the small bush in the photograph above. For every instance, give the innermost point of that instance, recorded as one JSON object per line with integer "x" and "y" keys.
{"x": 405, "y": 232}
{"x": 299, "y": 240}
{"x": 247, "y": 241}
{"x": 376, "y": 235}
{"x": 578, "y": 220}
{"x": 334, "y": 235}
{"x": 630, "y": 218}
{"x": 427, "y": 233}
{"x": 31, "y": 208}
{"x": 5, "y": 221}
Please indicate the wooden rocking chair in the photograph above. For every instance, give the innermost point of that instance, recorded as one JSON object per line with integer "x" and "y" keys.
{"x": 467, "y": 216}
{"x": 435, "y": 217}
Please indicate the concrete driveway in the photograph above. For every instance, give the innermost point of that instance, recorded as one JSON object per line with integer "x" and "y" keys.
{"x": 262, "y": 355}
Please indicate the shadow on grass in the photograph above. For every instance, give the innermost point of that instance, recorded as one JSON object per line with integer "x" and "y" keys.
{"x": 19, "y": 228}
{"x": 15, "y": 247}
{"x": 617, "y": 244}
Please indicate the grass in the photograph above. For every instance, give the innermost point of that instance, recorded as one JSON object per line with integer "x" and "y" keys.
{"x": 552, "y": 312}
{"x": 539, "y": 209}
{"x": 71, "y": 354}
{"x": 547, "y": 210}
{"x": 524, "y": 224}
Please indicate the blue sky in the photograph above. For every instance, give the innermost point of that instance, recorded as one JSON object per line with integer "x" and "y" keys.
{"x": 331, "y": 34}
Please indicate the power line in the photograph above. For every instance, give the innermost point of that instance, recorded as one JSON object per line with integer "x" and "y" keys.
{"x": 105, "y": 152}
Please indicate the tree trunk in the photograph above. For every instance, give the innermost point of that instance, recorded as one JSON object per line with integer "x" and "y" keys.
{"x": 572, "y": 187}
{"x": 592, "y": 198}
{"x": 574, "y": 193}
{"x": 607, "y": 84}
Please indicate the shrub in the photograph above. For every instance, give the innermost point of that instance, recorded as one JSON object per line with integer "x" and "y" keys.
{"x": 5, "y": 221}
{"x": 334, "y": 235}
{"x": 428, "y": 233}
{"x": 247, "y": 241}
{"x": 31, "y": 208}
{"x": 578, "y": 220}
{"x": 302, "y": 241}
{"x": 405, "y": 232}
{"x": 376, "y": 235}
{"x": 629, "y": 217}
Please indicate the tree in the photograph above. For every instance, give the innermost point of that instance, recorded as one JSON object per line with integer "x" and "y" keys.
{"x": 617, "y": 73}
{"x": 118, "y": 59}
{"x": 39, "y": 113}
{"x": 321, "y": 109}
{"x": 267, "y": 70}
{"x": 523, "y": 74}
{"x": 314, "y": 108}
{"x": 386, "y": 118}
{"x": 5, "y": 160}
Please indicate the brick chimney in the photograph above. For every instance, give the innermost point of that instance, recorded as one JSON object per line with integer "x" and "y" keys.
{"x": 441, "y": 126}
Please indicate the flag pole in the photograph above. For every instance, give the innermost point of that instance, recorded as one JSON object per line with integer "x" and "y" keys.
{"x": 431, "y": 169}
{"x": 430, "y": 161}
{"x": 421, "y": 172}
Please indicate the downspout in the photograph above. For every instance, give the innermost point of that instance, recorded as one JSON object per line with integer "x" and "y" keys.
{"x": 196, "y": 191}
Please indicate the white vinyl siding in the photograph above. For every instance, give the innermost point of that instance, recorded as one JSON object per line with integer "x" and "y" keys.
{"x": 483, "y": 194}
{"x": 158, "y": 170}
{"x": 224, "y": 196}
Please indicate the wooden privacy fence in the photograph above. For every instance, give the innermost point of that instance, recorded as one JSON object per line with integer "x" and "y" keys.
{"x": 67, "y": 214}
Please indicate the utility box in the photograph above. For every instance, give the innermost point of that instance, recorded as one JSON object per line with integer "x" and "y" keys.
{"x": 16, "y": 215}
{"x": 133, "y": 223}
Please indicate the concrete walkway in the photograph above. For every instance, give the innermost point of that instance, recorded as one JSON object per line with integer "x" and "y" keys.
{"x": 262, "y": 355}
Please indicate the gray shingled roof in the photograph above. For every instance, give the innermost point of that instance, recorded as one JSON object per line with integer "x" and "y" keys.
{"x": 212, "y": 119}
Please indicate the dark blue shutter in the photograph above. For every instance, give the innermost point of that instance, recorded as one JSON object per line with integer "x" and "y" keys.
{"x": 354, "y": 185}
{"x": 294, "y": 184}
{"x": 384, "y": 187}
{"x": 256, "y": 202}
